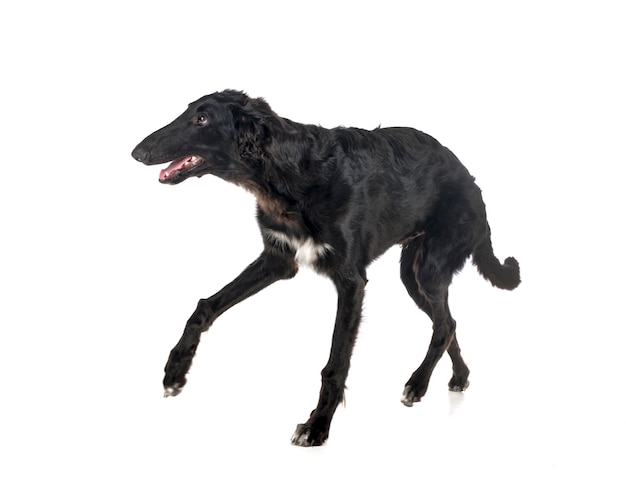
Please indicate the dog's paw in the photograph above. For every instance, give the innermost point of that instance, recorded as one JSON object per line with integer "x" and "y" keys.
{"x": 458, "y": 384}
{"x": 175, "y": 371}
{"x": 410, "y": 395}
{"x": 308, "y": 436}
{"x": 172, "y": 390}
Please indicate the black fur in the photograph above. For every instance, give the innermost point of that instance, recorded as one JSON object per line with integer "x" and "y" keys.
{"x": 336, "y": 198}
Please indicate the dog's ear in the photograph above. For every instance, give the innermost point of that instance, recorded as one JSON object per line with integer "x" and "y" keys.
{"x": 256, "y": 124}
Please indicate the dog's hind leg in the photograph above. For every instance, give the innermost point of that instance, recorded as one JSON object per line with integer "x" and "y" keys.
{"x": 271, "y": 266}
{"x": 350, "y": 293}
{"x": 431, "y": 295}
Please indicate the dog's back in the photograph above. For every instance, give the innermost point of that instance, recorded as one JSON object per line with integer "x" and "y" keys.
{"x": 395, "y": 180}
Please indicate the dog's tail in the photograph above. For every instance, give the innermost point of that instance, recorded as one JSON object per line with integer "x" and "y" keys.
{"x": 505, "y": 276}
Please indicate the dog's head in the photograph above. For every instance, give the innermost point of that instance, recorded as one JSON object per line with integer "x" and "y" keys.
{"x": 222, "y": 134}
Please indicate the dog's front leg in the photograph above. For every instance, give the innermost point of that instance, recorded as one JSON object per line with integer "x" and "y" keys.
{"x": 271, "y": 266}
{"x": 315, "y": 431}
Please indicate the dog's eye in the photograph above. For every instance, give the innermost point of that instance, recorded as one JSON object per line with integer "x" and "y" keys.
{"x": 201, "y": 120}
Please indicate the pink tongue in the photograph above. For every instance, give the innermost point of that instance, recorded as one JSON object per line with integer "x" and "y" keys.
{"x": 172, "y": 167}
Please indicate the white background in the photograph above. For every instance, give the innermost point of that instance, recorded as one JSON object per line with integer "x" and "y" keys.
{"x": 101, "y": 265}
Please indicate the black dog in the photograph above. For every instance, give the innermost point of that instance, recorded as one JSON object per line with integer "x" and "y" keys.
{"x": 334, "y": 199}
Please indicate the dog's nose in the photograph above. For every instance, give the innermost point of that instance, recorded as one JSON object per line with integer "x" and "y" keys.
{"x": 139, "y": 153}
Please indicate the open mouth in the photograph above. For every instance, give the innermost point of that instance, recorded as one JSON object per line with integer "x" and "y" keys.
{"x": 176, "y": 168}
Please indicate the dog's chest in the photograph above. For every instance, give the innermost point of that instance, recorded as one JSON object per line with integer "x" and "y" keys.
{"x": 307, "y": 251}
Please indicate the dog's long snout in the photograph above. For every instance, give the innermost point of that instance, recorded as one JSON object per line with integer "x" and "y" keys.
{"x": 140, "y": 153}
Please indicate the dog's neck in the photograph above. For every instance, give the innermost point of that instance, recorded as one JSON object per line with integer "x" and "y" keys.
{"x": 268, "y": 169}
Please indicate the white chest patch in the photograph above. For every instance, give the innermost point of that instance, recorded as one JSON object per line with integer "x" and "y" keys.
{"x": 307, "y": 250}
